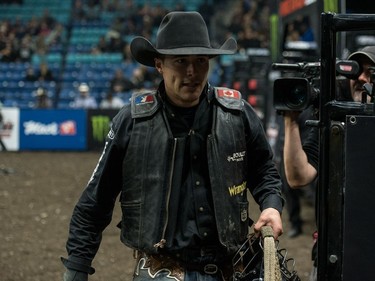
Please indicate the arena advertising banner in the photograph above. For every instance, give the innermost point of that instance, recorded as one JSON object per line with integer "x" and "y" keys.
{"x": 9, "y": 128}
{"x": 53, "y": 130}
{"x": 98, "y": 125}
{"x": 287, "y": 7}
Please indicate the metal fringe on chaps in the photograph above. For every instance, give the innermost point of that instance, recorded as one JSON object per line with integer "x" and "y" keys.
{"x": 271, "y": 261}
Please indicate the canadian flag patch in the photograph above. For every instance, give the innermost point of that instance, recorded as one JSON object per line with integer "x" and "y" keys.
{"x": 228, "y": 93}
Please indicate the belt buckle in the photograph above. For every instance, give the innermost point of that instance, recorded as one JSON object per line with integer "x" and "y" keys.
{"x": 210, "y": 268}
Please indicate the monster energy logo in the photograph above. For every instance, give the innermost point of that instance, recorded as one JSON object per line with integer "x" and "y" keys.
{"x": 100, "y": 127}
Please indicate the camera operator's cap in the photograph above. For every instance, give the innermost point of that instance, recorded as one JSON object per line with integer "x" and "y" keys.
{"x": 368, "y": 51}
{"x": 180, "y": 33}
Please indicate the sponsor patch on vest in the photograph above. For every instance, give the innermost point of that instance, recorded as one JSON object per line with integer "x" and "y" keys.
{"x": 236, "y": 156}
{"x": 228, "y": 93}
{"x": 237, "y": 189}
{"x": 111, "y": 134}
{"x": 244, "y": 215}
{"x": 147, "y": 99}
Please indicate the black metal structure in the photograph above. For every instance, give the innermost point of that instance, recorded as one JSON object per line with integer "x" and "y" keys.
{"x": 346, "y": 196}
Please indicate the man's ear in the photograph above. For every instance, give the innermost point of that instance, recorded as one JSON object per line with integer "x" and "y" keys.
{"x": 158, "y": 65}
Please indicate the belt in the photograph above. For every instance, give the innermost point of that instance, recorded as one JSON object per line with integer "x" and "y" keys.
{"x": 155, "y": 263}
{"x": 188, "y": 255}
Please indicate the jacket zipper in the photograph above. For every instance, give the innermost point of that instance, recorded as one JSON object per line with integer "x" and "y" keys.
{"x": 163, "y": 241}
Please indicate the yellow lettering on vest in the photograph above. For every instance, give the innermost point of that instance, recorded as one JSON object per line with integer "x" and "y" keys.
{"x": 237, "y": 189}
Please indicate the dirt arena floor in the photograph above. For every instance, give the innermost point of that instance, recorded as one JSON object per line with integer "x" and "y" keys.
{"x": 38, "y": 191}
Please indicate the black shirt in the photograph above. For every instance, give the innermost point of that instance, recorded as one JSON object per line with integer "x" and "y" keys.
{"x": 192, "y": 221}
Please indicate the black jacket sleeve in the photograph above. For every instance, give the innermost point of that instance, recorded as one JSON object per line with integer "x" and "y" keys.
{"x": 93, "y": 212}
{"x": 264, "y": 178}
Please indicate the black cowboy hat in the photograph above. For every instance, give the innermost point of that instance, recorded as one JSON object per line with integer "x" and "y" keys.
{"x": 180, "y": 33}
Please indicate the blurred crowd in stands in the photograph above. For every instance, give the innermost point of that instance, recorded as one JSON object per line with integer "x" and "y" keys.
{"x": 58, "y": 56}
{"x": 20, "y": 39}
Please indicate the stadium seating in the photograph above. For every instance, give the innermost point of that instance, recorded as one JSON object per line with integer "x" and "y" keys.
{"x": 70, "y": 59}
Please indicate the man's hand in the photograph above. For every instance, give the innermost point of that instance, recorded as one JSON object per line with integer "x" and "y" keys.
{"x": 271, "y": 217}
{"x": 291, "y": 116}
{"x": 73, "y": 275}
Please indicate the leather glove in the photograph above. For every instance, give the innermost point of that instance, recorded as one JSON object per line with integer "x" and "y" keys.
{"x": 73, "y": 275}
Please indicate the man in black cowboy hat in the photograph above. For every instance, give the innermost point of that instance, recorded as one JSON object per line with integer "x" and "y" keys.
{"x": 182, "y": 159}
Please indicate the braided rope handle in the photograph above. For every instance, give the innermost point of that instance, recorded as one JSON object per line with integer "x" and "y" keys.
{"x": 271, "y": 261}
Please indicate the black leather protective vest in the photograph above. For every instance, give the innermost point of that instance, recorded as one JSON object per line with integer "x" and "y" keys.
{"x": 148, "y": 169}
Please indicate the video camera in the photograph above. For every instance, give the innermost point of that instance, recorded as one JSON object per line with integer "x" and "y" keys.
{"x": 298, "y": 93}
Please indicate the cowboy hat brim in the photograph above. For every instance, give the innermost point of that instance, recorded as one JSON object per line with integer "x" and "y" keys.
{"x": 145, "y": 53}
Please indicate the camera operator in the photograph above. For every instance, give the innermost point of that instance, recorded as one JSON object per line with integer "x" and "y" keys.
{"x": 301, "y": 159}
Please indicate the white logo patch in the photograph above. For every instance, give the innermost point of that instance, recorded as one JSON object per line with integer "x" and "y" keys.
{"x": 111, "y": 134}
{"x": 236, "y": 156}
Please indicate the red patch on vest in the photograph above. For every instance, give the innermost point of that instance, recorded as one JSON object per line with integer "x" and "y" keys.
{"x": 226, "y": 93}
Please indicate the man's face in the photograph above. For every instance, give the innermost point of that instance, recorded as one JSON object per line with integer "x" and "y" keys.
{"x": 84, "y": 94}
{"x": 356, "y": 86}
{"x": 184, "y": 77}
